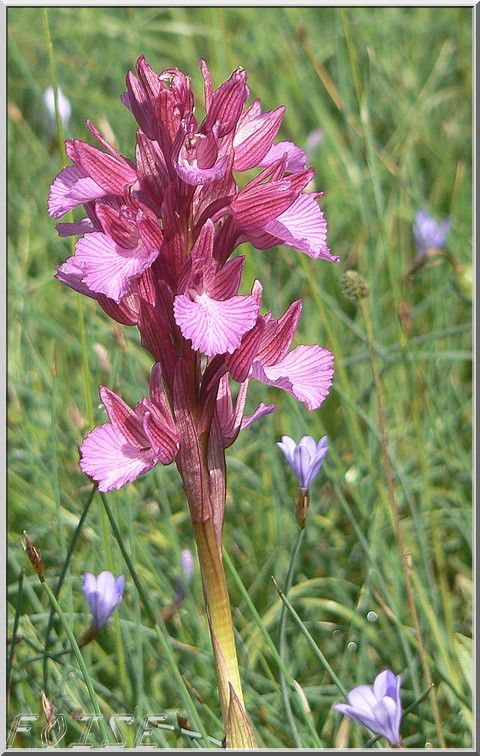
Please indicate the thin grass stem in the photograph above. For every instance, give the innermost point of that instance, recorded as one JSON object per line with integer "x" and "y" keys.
{"x": 310, "y": 640}
{"x": 281, "y": 639}
{"x": 397, "y": 524}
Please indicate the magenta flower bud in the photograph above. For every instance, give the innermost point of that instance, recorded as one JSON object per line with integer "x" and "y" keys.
{"x": 428, "y": 233}
{"x": 377, "y": 706}
{"x": 305, "y": 458}
{"x": 103, "y": 594}
{"x": 186, "y": 560}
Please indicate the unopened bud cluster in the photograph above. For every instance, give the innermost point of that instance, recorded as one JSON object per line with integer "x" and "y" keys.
{"x": 354, "y": 285}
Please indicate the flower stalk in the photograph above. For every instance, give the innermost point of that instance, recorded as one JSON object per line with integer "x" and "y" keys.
{"x": 239, "y": 733}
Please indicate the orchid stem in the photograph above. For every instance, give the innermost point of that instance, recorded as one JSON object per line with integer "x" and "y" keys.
{"x": 238, "y": 730}
{"x": 397, "y": 524}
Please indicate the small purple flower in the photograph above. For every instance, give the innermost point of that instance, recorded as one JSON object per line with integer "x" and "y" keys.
{"x": 103, "y": 594}
{"x": 305, "y": 458}
{"x": 428, "y": 233}
{"x": 377, "y": 706}
{"x": 186, "y": 560}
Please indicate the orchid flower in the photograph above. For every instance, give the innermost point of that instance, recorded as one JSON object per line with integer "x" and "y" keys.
{"x": 155, "y": 251}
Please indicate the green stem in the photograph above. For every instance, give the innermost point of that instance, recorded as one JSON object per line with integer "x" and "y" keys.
{"x": 238, "y": 730}
{"x": 282, "y": 646}
{"x": 53, "y": 75}
{"x": 79, "y": 658}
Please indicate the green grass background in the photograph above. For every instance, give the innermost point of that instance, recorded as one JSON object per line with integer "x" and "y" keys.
{"x": 390, "y": 88}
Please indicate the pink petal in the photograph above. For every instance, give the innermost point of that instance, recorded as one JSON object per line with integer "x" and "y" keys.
{"x": 214, "y": 327}
{"x": 123, "y": 418}
{"x": 71, "y": 273}
{"x": 261, "y": 411}
{"x": 278, "y": 335}
{"x": 240, "y": 362}
{"x": 306, "y": 373}
{"x": 140, "y": 105}
{"x": 207, "y": 87}
{"x": 296, "y": 158}
{"x": 110, "y": 460}
{"x": 126, "y": 312}
{"x": 224, "y": 282}
{"x": 302, "y": 226}
{"x": 115, "y": 225}
{"x": 256, "y": 206}
{"x": 227, "y": 103}
{"x": 163, "y": 442}
{"x": 112, "y": 174}
{"x": 254, "y": 136}
{"x": 71, "y": 187}
{"x": 152, "y": 169}
{"x": 192, "y": 174}
{"x": 108, "y": 268}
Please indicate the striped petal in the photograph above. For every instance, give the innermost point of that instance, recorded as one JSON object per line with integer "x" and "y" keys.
{"x": 306, "y": 373}
{"x": 110, "y": 460}
{"x": 72, "y": 187}
{"x": 214, "y": 326}
{"x": 108, "y": 268}
{"x": 303, "y": 226}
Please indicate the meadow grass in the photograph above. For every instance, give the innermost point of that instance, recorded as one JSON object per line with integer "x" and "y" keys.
{"x": 390, "y": 88}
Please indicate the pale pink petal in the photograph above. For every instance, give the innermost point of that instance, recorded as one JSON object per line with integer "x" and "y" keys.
{"x": 303, "y": 226}
{"x": 261, "y": 411}
{"x": 296, "y": 158}
{"x": 111, "y": 173}
{"x": 110, "y": 460}
{"x": 215, "y": 327}
{"x": 192, "y": 174}
{"x": 306, "y": 373}
{"x": 71, "y": 273}
{"x": 108, "y": 268}
{"x": 71, "y": 187}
